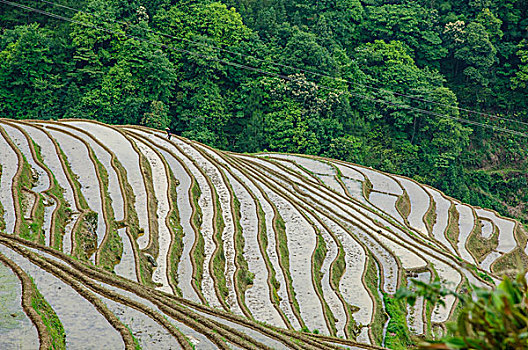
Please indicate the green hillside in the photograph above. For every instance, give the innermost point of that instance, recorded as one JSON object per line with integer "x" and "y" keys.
{"x": 346, "y": 79}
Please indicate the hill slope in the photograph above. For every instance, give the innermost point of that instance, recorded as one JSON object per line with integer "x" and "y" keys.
{"x": 269, "y": 243}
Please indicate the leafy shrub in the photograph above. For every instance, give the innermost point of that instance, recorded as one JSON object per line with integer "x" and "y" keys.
{"x": 490, "y": 318}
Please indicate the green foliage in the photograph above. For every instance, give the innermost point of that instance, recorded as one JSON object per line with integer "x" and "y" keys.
{"x": 350, "y": 148}
{"x": 158, "y": 117}
{"x": 412, "y": 24}
{"x": 489, "y": 319}
{"x": 477, "y": 52}
{"x": 397, "y": 330}
{"x": 491, "y": 23}
{"x": 520, "y": 80}
{"x": 32, "y": 72}
{"x": 209, "y": 19}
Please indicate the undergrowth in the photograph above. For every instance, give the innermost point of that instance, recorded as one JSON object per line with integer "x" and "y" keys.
{"x": 398, "y": 336}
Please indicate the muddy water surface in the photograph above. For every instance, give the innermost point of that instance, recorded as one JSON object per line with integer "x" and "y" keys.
{"x": 16, "y": 329}
{"x": 69, "y": 305}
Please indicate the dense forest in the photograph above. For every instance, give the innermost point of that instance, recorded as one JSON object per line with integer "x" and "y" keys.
{"x": 388, "y": 84}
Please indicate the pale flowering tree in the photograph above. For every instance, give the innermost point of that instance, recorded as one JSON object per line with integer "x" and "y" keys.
{"x": 455, "y": 31}
{"x": 142, "y": 14}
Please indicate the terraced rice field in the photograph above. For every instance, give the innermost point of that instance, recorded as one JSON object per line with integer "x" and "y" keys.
{"x": 119, "y": 237}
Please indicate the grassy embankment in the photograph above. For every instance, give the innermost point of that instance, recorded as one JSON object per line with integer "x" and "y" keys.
{"x": 403, "y": 205}
{"x": 367, "y": 188}
{"x": 85, "y": 231}
{"x": 29, "y": 228}
{"x": 131, "y": 221}
{"x": 176, "y": 247}
{"x": 430, "y": 217}
{"x": 263, "y": 242}
{"x": 398, "y": 336}
{"x": 50, "y": 319}
{"x": 372, "y": 283}
{"x": 318, "y": 258}
{"x": 219, "y": 261}
{"x": 62, "y": 212}
{"x": 516, "y": 260}
{"x": 243, "y": 277}
{"x": 24, "y": 197}
{"x": 479, "y": 246}
{"x": 152, "y": 248}
{"x": 452, "y": 231}
{"x": 111, "y": 249}
{"x": 284, "y": 261}
{"x": 197, "y": 252}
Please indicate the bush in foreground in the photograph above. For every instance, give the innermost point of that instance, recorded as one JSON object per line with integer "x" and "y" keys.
{"x": 489, "y": 319}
